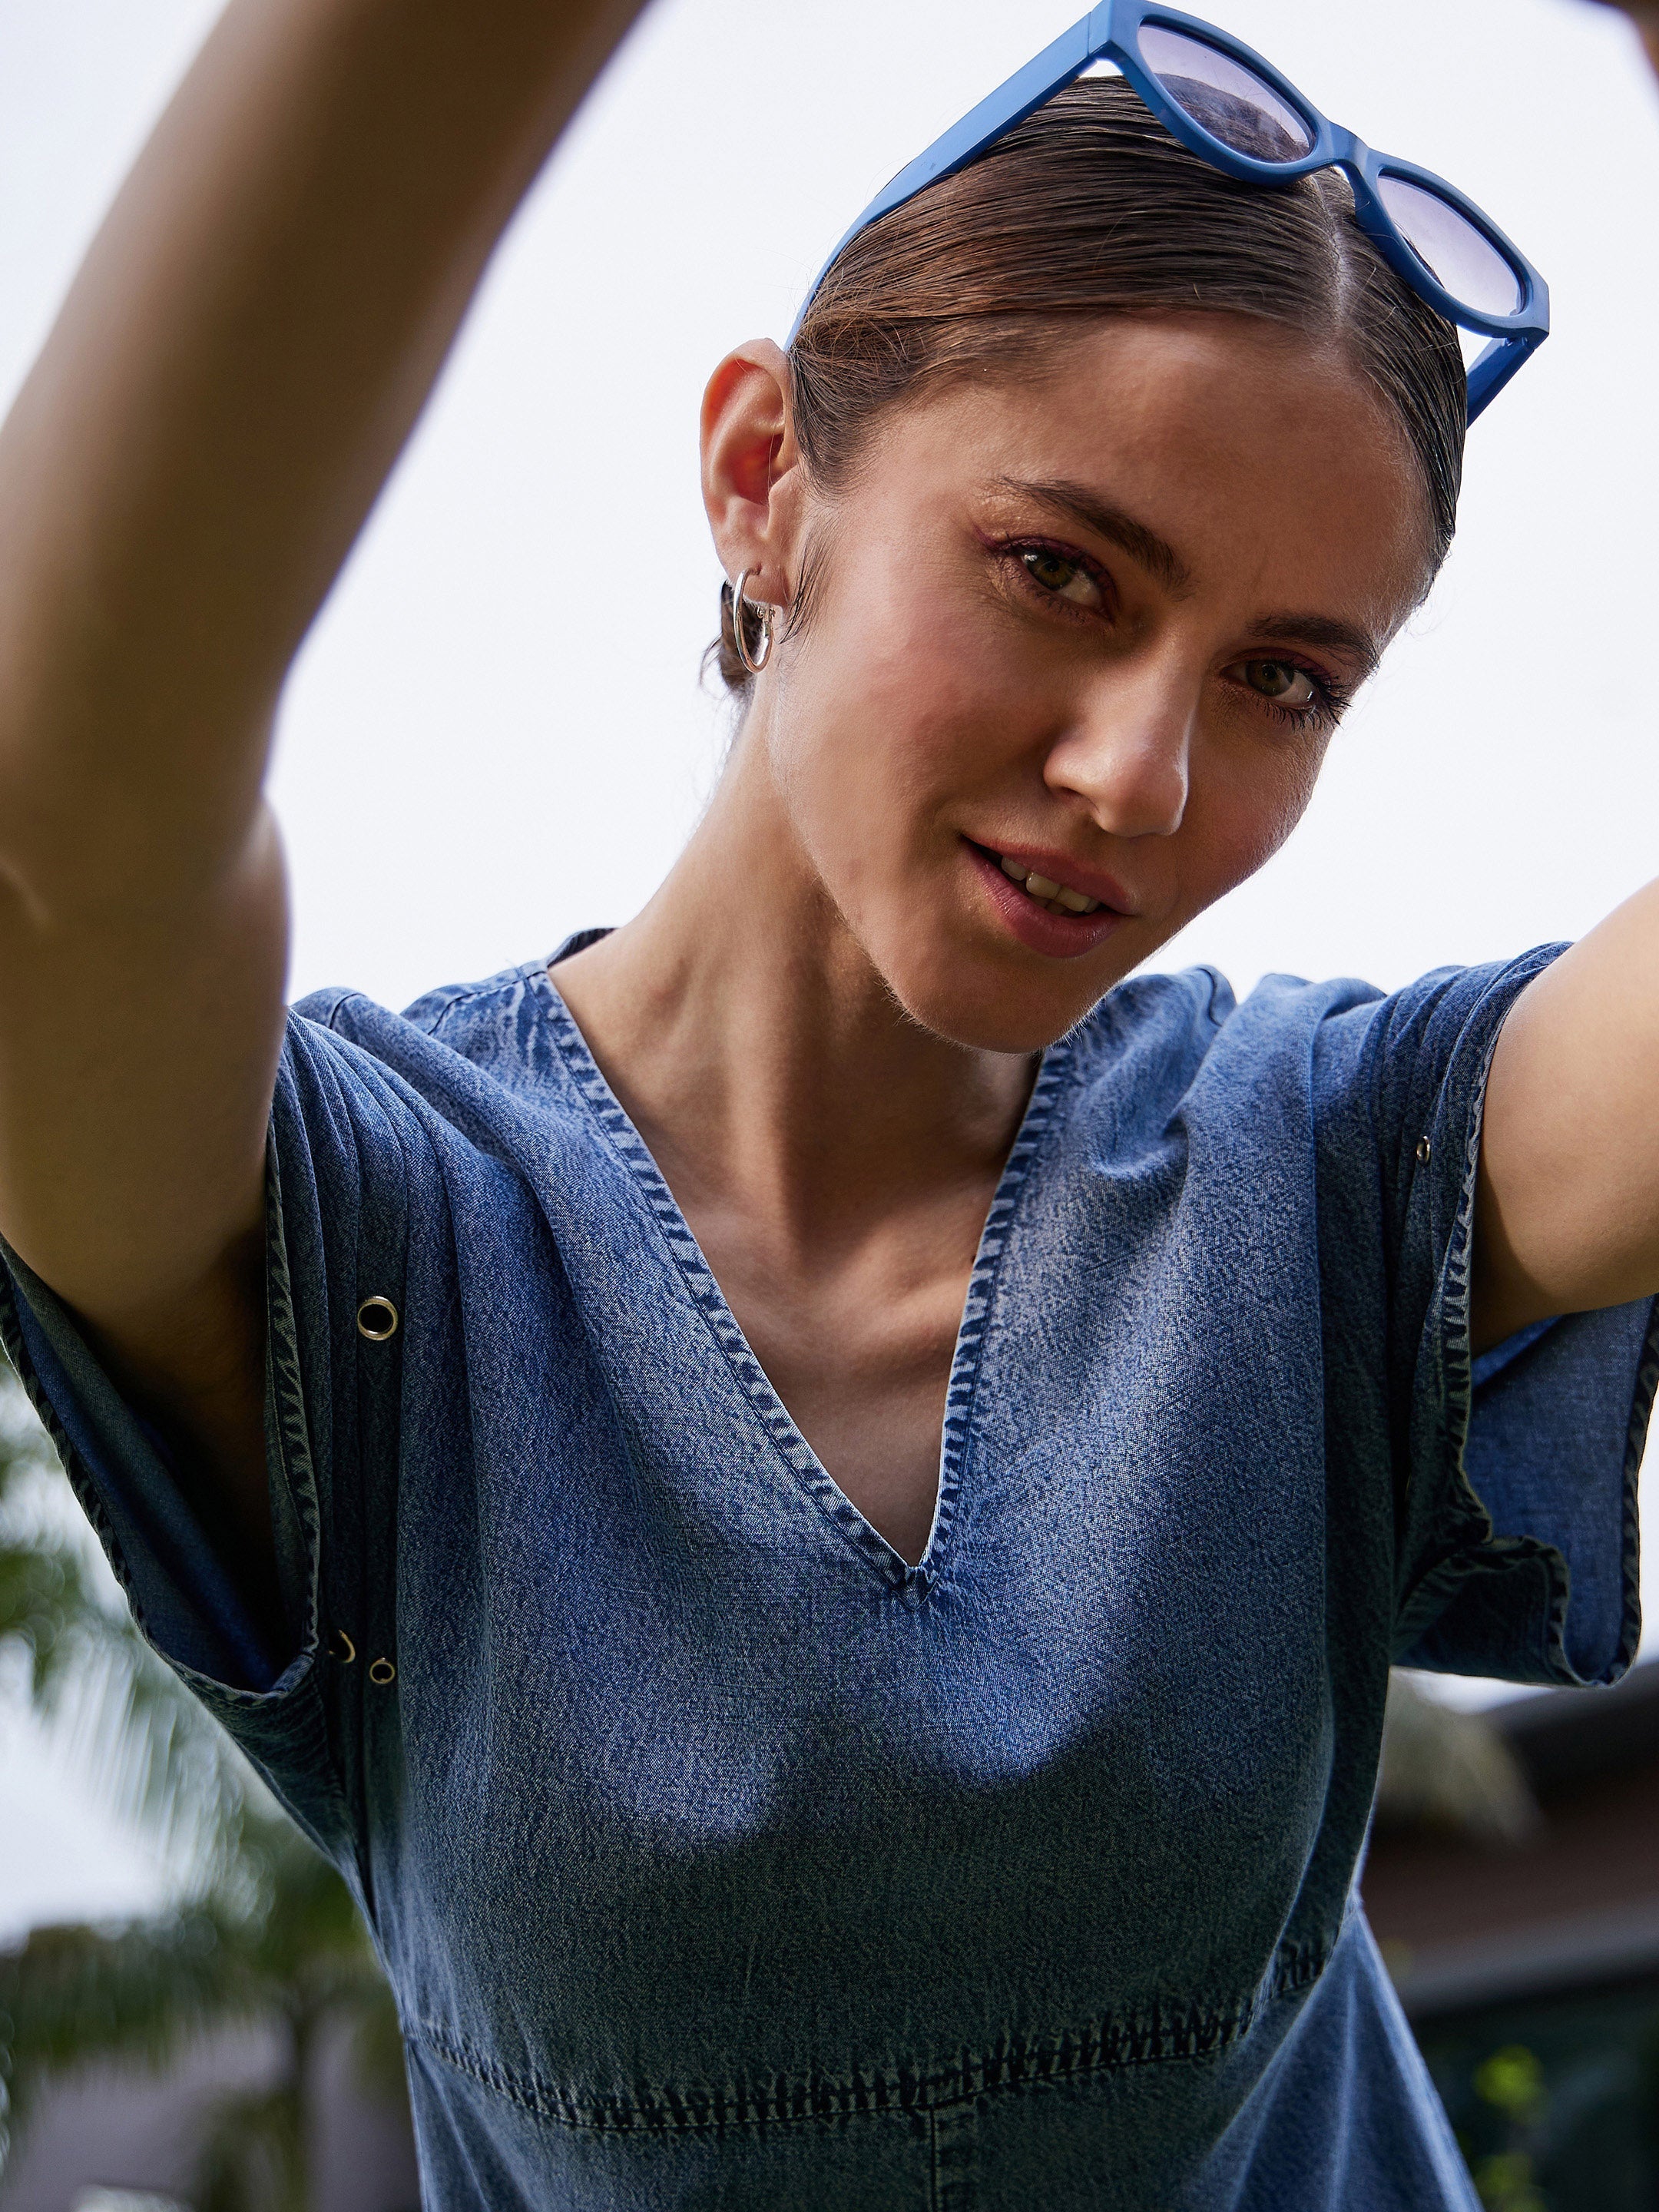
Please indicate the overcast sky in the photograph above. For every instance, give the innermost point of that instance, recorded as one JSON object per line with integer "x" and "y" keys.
{"x": 496, "y": 734}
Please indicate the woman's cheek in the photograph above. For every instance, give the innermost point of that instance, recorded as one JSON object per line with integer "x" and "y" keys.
{"x": 1244, "y": 824}
{"x": 849, "y": 781}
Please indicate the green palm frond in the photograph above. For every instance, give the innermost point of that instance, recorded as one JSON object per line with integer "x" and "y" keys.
{"x": 136, "y": 1741}
{"x": 40, "y": 1601}
{"x": 311, "y": 1931}
{"x": 26, "y": 1452}
{"x": 253, "y": 2160}
{"x": 292, "y": 1948}
{"x": 137, "y": 1994}
{"x": 261, "y": 1928}
{"x": 117, "y": 1717}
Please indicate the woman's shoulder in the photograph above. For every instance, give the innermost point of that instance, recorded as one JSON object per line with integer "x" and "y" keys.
{"x": 1177, "y": 1018}
{"x": 1189, "y": 1011}
{"x": 347, "y": 1011}
{"x": 457, "y": 1051}
{"x": 1184, "y": 1043}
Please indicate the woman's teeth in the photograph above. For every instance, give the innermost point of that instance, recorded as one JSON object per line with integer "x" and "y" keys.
{"x": 1058, "y": 898}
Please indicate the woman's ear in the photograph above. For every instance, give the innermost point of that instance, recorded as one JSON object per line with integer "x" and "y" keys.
{"x": 752, "y": 474}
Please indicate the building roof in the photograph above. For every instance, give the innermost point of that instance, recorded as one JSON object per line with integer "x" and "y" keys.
{"x": 1575, "y": 1903}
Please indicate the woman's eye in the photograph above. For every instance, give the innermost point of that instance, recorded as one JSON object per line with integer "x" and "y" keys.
{"x": 1282, "y": 681}
{"x": 1064, "y": 579}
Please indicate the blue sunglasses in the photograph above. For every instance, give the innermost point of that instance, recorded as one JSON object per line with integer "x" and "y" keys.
{"x": 1232, "y": 109}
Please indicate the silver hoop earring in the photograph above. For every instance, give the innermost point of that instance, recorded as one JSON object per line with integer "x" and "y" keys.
{"x": 738, "y": 602}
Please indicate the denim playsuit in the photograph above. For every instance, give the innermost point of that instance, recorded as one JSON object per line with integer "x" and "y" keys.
{"x": 718, "y": 1857}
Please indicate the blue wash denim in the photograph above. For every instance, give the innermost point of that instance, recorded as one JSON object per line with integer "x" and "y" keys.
{"x": 717, "y": 1856}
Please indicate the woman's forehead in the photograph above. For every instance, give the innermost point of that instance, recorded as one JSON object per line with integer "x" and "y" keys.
{"x": 1213, "y": 449}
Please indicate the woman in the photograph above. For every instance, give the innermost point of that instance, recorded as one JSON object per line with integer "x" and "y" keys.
{"x": 814, "y": 1501}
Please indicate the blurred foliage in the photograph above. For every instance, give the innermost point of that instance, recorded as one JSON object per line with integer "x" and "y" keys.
{"x": 1503, "y": 2181}
{"x": 1511, "y": 2082}
{"x": 1512, "y": 2079}
{"x": 1451, "y": 1773}
{"x": 1554, "y": 2099}
{"x": 258, "y": 1929}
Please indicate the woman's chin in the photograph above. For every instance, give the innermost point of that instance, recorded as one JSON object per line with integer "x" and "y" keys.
{"x": 986, "y": 1004}
{"x": 972, "y": 958}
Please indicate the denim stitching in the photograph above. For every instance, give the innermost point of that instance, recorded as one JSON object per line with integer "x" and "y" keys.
{"x": 1647, "y": 1381}
{"x": 1468, "y": 1523}
{"x": 1157, "y": 2035}
{"x": 710, "y": 1302}
{"x": 226, "y": 1694}
{"x": 287, "y": 1395}
{"x": 1058, "y": 1062}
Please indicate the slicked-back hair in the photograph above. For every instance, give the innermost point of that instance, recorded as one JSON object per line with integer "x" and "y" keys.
{"x": 1090, "y": 209}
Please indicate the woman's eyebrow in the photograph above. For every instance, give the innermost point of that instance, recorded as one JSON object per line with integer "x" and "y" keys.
{"x": 1155, "y": 553}
{"x": 1325, "y": 629}
{"x": 1160, "y": 558}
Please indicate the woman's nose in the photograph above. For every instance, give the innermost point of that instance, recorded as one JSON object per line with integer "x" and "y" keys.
{"x": 1129, "y": 755}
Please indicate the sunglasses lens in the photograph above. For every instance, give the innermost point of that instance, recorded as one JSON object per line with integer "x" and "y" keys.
{"x": 1466, "y": 262}
{"x": 1224, "y": 97}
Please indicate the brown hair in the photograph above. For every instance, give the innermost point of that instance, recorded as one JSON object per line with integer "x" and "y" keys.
{"x": 1091, "y": 209}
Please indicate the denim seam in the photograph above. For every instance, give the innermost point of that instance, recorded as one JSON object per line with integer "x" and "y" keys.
{"x": 86, "y": 1492}
{"x": 293, "y": 1677}
{"x": 1466, "y": 1525}
{"x": 710, "y": 1302}
{"x": 611, "y": 1118}
{"x": 468, "y": 996}
{"x": 342, "y": 1000}
{"x": 1159, "y": 2035}
{"x": 1467, "y": 1528}
{"x": 1059, "y": 1062}
{"x": 288, "y": 1401}
{"x": 1647, "y": 1382}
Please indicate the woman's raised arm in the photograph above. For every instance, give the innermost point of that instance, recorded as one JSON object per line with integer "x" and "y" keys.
{"x": 240, "y": 359}
{"x": 1568, "y": 1216}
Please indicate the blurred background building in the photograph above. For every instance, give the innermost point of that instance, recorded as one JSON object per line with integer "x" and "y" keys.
{"x": 113, "y": 2139}
{"x": 1522, "y": 1934}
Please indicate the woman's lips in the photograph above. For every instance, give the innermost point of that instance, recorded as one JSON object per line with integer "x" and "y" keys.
{"x": 1059, "y": 935}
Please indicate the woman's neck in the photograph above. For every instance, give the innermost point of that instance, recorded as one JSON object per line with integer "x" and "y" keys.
{"x": 762, "y": 1057}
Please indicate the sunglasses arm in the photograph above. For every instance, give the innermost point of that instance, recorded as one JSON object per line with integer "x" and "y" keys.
{"x": 1492, "y": 368}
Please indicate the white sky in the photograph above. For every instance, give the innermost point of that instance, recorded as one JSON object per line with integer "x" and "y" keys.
{"x": 496, "y": 734}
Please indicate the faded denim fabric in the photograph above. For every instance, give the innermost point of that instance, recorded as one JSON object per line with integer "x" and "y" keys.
{"x": 719, "y": 1858}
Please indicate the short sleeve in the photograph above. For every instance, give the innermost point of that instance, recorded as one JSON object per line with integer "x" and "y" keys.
{"x": 1515, "y": 1474}
{"x": 335, "y": 1183}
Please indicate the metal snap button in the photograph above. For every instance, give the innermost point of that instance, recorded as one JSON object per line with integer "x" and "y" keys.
{"x": 1424, "y": 1149}
{"x": 382, "y": 1671}
{"x": 341, "y": 1647}
{"x": 377, "y": 1320}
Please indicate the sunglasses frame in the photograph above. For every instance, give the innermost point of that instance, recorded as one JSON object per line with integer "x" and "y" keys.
{"x": 1110, "y": 33}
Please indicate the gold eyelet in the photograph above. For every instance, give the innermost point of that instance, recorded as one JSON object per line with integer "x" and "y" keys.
{"x": 377, "y": 1320}
{"x": 382, "y": 1671}
{"x": 341, "y": 1647}
{"x": 1424, "y": 1151}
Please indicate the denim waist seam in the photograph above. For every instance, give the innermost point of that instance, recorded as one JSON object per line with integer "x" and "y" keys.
{"x": 1155, "y": 2035}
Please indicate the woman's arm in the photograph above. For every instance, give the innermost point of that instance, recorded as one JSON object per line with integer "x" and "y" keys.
{"x": 1568, "y": 1212}
{"x": 244, "y": 353}
{"x": 1567, "y": 1215}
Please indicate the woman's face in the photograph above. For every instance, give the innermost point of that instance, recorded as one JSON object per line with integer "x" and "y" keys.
{"x": 1075, "y": 647}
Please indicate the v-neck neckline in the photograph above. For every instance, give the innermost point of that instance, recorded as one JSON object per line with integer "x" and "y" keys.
{"x": 711, "y": 1303}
